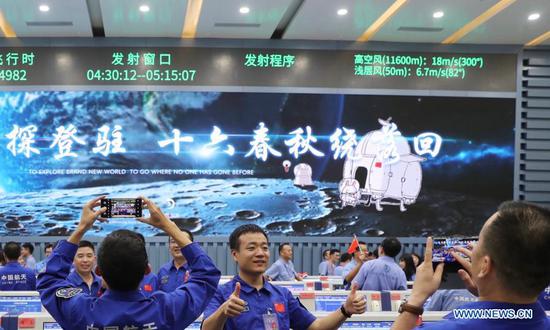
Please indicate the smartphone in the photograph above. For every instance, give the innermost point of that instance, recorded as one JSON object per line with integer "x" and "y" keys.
{"x": 122, "y": 207}
{"x": 444, "y": 246}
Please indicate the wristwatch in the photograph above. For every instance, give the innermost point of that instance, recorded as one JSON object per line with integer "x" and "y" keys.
{"x": 343, "y": 310}
{"x": 406, "y": 307}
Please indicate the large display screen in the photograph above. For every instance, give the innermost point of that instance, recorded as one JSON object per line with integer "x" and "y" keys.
{"x": 295, "y": 164}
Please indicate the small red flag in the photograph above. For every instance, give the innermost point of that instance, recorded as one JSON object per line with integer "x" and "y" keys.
{"x": 148, "y": 287}
{"x": 354, "y": 245}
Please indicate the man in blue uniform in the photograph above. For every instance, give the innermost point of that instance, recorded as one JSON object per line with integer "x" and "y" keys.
{"x": 383, "y": 273}
{"x": 351, "y": 270}
{"x": 83, "y": 275}
{"x": 41, "y": 266}
{"x": 505, "y": 272}
{"x": 250, "y": 302}
{"x": 13, "y": 276}
{"x": 283, "y": 269}
{"x": 27, "y": 250}
{"x": 122, "y": 261}
{"x": 175, "y": 272}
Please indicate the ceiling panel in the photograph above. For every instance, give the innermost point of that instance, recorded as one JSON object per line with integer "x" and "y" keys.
{"x": 415, "y": 21}
{"x": 122, "y": 18}
{"x": 318, "y": 19}
{"x": 222, "y": 19}
{"x": 64, "y": 19}
{"x": 511, "y": 25}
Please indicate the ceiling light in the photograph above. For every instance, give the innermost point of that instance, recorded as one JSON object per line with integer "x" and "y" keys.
{"x": 44, "y": 8}
{"x": 144, "y": 8}
{"x": 342, "y": 12}
{"x": 244, "y": 10}
{"x": 439, "y": 14}
{"x": 534, "y": 17}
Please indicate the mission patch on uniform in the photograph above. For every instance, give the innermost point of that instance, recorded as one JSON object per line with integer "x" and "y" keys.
{"x": 67, "y": 293}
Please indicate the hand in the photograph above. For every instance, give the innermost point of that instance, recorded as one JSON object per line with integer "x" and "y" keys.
{"x": 465, "y": 274}
{"x": 355, "y": 304}
{"x": 156, "y": 217}
{"x": 89, "y": 215}
{"x": 427, "y": 280}
{"x": 234, "y": 306}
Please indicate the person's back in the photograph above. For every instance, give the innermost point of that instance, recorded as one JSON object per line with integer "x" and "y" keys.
{"x": 383, "y": 273}
{"x": 13, "y": 276}
{"x": 122, "y": 261}
{"x": 447, "y": 300}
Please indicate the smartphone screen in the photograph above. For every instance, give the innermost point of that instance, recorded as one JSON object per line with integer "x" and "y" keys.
{"x": 444, "y": 246}
{"x": 122, "y": 207}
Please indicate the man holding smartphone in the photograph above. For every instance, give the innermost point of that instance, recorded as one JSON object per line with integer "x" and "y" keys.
{"x": 505, "y": 272}
{"x": 122, "y": 261}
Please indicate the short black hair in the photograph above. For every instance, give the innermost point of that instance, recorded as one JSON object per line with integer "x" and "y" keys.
{"x": 122, "y": 260}
{"x": 391, "y": 246}
{"x": 234, "y": 242}
{"x": 29, "y": 246}
{"x": 12, "y": 250}
{"x": 345, "y": 257}
{"x": 326, "y": 252}
{"x": 47, "y": 246}
{"x": 515, "y": 241}
{"x": 333, "y": 251}
{"x": 88, "y": 244}
{"x": 282, "y": 246}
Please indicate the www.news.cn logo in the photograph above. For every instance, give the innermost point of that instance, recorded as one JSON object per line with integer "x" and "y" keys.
{"x": 493, "y": 314}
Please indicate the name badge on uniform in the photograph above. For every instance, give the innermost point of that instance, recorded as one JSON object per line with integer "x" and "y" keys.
{"x": 164, "y": 279}
{"x": 270, "y": 322}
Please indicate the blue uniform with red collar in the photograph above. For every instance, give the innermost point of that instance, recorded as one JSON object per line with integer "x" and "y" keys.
{"x": 270, "y": 299}
{"x": 77, "y": 281}
{"x": 169, "y": 278}
{"x": 14, "y": 277}
{"x": 74, "y": 310}
{"x": 539, "y": 320}
{"x": 148, "y": 285}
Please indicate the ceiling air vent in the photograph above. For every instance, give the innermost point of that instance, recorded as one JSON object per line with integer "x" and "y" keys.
{"x": 238, "y": 25}
{"x": 419, "y": 29}
{"x": 50, "y": 23}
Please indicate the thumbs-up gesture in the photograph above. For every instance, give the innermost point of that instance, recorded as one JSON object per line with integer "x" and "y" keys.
{"x": 234, "y": 306}
{"x": 356, "y": 303}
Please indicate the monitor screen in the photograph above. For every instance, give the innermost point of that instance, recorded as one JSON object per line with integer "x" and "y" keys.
{"x": 292, "y": 287}
{"x": 294, "y": 164}
{"x": 371, "y": 325}
{"x": 20, "y": 304}
{"x": 329, "y": 303}
{"x": 51, "y": 326}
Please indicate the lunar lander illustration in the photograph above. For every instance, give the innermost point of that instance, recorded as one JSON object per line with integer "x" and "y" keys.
{"x": 381, "y": 170}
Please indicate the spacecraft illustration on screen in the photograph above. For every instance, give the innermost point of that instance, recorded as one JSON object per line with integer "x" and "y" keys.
{"x": 381, "y": 170}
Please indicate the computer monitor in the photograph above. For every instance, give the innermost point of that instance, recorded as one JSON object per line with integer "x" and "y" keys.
{"x": 20, "y": 301}
{"x": 329, "y": 303}
{"x": 290, "y": 285}
{"x": 51, "y": 326}
{"x": 371, "y": 325}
